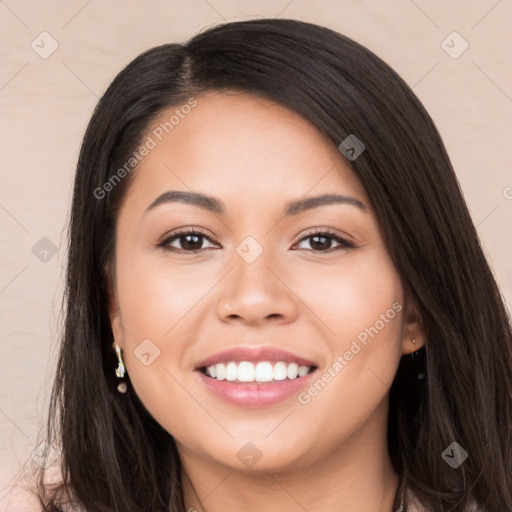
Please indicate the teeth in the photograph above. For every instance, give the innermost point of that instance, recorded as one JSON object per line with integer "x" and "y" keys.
{"x": 264, "y": 371}
{"x": 231, "y": 371}
{"x": 219, "y": 369}
{"x": 279, "y": 371}
{"x": 303, "y": 370}
{"x": 292, "y": 371}
{"x": 246, "y": 372}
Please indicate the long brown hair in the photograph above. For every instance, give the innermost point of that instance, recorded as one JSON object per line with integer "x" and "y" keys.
{"x": 458, "y": 388}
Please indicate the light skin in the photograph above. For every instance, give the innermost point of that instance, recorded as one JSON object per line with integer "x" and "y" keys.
{"x": 256, "y": 156}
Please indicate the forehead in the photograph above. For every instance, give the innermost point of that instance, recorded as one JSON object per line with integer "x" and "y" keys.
{"x": 242, "y": 148}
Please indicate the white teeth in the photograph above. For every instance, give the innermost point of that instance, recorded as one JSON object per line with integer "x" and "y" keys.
{"x": 220, "y": 370}
{"x": 303, "y": 370}
{"x": 264, "y": 371}
{"x": 292, "y": 371}
{"x": 245, "y": 372}
{"x": 231, "y": 371}
{"x": 279, "y": 371}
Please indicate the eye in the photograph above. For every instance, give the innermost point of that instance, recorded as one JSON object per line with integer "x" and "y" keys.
{"x": 192, "y": 240}
{"x": 321, "y": 241}
{"x": 188, "y": 240}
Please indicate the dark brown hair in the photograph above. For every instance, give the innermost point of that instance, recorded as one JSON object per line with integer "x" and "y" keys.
{"x": 115, "y": 456}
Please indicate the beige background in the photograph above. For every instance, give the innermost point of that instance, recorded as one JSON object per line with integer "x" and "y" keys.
{"x": 46, "y": 104}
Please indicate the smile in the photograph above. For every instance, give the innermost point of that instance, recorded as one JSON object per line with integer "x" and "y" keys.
{"x": 264, "y": 371}
{"x": 248, "y": 376}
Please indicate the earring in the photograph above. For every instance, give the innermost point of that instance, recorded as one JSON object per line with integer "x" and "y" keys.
{"x": 120, "y": 371}
{"x": 420, "y": 375}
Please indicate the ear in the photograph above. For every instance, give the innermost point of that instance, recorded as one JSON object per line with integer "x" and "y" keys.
{"x": 113, "y": 309}
{"x": 413, "y": 327}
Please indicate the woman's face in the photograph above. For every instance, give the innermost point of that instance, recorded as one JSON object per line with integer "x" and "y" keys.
{"x": 262, "y": 280}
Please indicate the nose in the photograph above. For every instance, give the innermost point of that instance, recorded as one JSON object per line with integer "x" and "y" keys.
{"x": 258, "y": 292}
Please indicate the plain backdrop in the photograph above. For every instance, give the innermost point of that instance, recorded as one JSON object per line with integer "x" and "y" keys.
{"x": 58, "y": 57}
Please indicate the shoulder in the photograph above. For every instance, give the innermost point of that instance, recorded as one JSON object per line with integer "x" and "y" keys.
{"x": 20, "y": 498}
{"x": 23, "y": 499}
{"x": 22, "y": 494}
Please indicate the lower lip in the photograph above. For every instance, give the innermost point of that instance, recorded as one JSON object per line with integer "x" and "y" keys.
{"x": 256, "y": 395}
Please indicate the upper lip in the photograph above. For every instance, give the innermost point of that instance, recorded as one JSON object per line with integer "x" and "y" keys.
{"x": 253, "y": 355}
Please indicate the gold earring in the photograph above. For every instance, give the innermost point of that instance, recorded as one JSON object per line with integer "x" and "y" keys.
{"x": 120, "y": 371}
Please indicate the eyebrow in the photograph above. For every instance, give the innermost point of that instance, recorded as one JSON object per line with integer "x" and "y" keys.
{"x": 217, "y": 206}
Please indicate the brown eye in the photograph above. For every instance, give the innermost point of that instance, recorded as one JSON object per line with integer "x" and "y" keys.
{"x": 322, "y": 241}
{"x": 188, "y": 241}
{"x": 192, "y": 241}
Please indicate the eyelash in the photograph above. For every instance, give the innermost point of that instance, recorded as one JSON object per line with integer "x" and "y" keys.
{"x": 326, "y": 233}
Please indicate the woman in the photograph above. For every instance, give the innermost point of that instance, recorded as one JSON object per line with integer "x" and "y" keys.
{"x": 276, "y": 298}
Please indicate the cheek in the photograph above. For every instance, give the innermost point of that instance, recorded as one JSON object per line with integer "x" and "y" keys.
{"x": 157, "y": 295}
{"x": 363, "y": 317}
{"x": 351, "y": 297}
{"x": 157, "y": 303}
